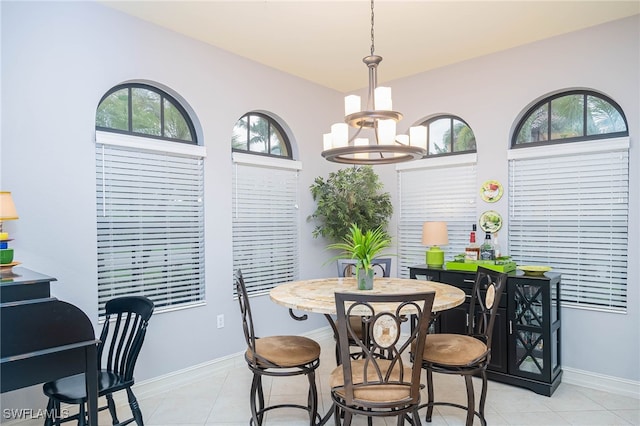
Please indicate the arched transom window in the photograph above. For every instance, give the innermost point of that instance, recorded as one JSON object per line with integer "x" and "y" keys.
{"x": 257, "y": 133}
{"x": 576, "y": 115}
{"x": 448, "y": 134}
{"x": 144, "y": 110}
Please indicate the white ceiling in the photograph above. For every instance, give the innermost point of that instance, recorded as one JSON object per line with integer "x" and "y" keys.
{"x": 325, "y": 41}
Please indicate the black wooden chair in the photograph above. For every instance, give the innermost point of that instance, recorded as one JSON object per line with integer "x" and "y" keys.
{"x": 467, "y": 354}
{"x": 121, "y": 339}
{"x": 276, "y": 356}
{"x": 373, "y": 386}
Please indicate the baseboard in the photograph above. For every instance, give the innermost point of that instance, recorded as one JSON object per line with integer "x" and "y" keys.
{"x": 601, "y": 382}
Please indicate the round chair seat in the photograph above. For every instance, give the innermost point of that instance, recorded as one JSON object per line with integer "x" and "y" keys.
{"x": 286, "y": 351}
{"x": 373, "y": 393}
{"x": 456, "y": 350}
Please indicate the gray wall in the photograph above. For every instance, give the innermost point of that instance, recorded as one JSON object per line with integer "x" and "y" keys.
{"x": 59, "y": 58}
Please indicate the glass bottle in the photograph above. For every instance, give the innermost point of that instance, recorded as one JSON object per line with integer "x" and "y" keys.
{"x": 486, "y": 249}
{"x": 472, "y": 251}
{"x": 497, "y": 251}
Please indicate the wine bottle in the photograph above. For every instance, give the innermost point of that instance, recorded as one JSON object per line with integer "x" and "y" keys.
{"x": 486, "y": 249}
{"x": 472, "y": 251}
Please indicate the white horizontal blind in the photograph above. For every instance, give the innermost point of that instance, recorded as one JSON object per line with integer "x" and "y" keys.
{"x": 265, "y": 225}
{"x": 150, "y": 219}
{"x": 445, "y": 193}
{"x": 570, "y": 212}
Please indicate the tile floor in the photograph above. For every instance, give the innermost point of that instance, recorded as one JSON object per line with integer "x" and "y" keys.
{"x": 223, "y": 400}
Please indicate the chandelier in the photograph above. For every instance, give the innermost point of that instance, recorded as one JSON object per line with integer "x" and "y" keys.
{"x": 379, "y": 118}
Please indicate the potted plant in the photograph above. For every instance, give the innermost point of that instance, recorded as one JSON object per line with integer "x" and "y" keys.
{"x": 363, "y": 247}
{"x": 349, "y": 195}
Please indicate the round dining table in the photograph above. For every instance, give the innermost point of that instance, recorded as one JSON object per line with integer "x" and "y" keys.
{"x": 318, "y": 295}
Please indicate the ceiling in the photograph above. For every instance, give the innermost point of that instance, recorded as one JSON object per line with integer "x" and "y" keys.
{"x": 325, "y": 41}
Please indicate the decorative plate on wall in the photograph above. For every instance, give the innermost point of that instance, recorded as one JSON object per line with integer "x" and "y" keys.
{"x": 490, "y": 221}
{"x": 491, "y": 191}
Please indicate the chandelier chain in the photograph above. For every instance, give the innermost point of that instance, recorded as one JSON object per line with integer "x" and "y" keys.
{"x": 372, "y": 44}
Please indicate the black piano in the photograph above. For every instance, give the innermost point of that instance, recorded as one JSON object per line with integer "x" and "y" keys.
{"x": 43, "y": 338}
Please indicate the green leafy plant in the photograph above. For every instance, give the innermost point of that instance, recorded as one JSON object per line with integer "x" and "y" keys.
{"x": 362, "y": 246}
{"x": 350, "y": 195}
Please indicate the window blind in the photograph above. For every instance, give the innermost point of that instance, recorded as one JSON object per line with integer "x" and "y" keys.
{"x": 265, "y": 221}
{"x": 570, "y": 211}
{"x": 443, "y": 191}
{"x": 150, "y": 225}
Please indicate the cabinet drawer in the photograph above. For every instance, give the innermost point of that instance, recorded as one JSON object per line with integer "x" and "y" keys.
{"x": 465, "y": 282}
{"x": 425, "y": 274}
{"x": 459, "y": 280}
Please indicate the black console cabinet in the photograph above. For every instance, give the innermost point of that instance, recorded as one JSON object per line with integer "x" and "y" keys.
{"x": 526, "y": 336}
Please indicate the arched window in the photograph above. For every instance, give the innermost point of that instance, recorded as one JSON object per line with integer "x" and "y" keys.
{"x": 569, "y": 202}
{"x": 150, "y": 199}
{"x": 265, "y": 213}
{"x": 448, "y": 134}
{"x": 570, "y": 116}
{"x": 142, "y": 110}
{"x": 257, "y": 133}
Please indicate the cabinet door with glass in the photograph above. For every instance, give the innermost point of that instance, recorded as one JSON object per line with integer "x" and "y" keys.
{"x": 534, "y": 328}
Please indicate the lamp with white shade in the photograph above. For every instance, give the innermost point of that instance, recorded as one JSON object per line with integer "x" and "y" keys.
{"x": 434, "y": 234}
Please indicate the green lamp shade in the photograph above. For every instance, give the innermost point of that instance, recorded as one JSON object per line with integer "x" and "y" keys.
{"x": 435, "y": 257}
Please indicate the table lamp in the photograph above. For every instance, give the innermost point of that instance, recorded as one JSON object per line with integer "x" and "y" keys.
{"x": 434, "y": 234}
{"x": 7, "y": 212}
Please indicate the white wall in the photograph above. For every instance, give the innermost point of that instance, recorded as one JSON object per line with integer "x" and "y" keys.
{"x": 59, "y": 58}
{"x": 490, "y": 92}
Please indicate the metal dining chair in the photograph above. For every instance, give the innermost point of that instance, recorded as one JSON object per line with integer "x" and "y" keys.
{"x": 372, "y": 386}
{"x": 347, "y": 268}
{"x": 276, "y": 356}
{"x": 467, "y": 354}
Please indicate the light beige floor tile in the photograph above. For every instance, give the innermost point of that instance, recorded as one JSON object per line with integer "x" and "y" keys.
{"x": 223, "y": 400}
{"x": 631, "y": 416}
{"x": 593, "y": 418}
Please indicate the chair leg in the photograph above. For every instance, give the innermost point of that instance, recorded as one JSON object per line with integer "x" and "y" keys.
{"x": 347, "y": 418}
{"x": 56, "y": 410}
{"x": 256, "y": 396}
{"x": 416, "y": 418}
{"x": 336, "y": 415}
{"x": 471, "y": 403}
{"x": 82, "y": 416}
{"x": 135, "y": 408}
{"x": 313, "y": 398}
{"x": 400, "y": 421}
{"x": 112, "y": 409}
{"x": 483, "y": 394}
{"x": 49, "y": 415}
{"x": 430, "y": 396}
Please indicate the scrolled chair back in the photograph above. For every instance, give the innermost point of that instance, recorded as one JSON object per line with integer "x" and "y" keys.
{"x": 372, "y": 380}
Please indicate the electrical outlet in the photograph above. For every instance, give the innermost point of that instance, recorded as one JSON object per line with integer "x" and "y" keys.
{"x": 220, "y": 320}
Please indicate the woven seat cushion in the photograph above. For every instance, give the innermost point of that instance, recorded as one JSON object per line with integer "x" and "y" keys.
{"x": 373, "y": 393}
{"x": 456, "y": 350}
{"x": 286, "y": 351}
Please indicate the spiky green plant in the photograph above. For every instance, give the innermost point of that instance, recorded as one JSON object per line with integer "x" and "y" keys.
{"x": 362, "y": 246}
